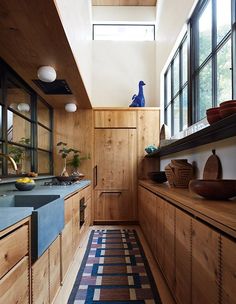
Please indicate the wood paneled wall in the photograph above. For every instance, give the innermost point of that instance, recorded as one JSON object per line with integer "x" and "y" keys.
{"x": 76, "y": 129}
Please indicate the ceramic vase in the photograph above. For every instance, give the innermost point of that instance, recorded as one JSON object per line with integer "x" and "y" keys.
{"x": 179, "y": 173}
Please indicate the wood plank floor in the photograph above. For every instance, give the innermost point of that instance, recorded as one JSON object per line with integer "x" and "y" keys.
{"x": 64, "y": 292}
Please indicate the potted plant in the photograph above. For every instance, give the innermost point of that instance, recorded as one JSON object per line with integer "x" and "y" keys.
{"x": 75, "y": 162}
{"x": 64, "y": 151}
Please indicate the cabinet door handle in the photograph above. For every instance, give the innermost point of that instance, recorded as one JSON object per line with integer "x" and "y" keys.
{"x": 111, "y": 192}
{"x": 95, "y": 176}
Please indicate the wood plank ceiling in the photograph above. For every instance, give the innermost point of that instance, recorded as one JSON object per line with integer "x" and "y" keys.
{"x": 125, "y": 2}
{"x": 32, "y": 35}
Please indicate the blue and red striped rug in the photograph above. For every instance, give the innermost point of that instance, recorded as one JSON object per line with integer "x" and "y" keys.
{"x": 114, "y": 270}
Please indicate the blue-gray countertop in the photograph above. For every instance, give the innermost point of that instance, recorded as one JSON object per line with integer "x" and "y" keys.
{"x": 11, "y": 215}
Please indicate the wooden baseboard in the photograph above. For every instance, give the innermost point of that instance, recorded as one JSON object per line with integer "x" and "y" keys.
{"x": 115, "y": 223}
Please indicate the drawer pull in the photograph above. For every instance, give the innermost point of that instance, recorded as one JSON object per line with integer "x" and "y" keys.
{"x": 111, "y": 192}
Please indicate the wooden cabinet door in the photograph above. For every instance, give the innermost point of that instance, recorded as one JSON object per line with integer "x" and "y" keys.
{"x": 66, "y": 248}
{"x": 115, "y": 158}
{"x": 149, "y": 209}
{"x": 76, "y": 220}
{"x": 141, "y": 209}
{"x": 183, "y": 257}
{"x": 68, "y": 209}
{"x": 205, "y": 260}
{"x": 40, "y": 280}
{"x": 169, "y": 245}
{"x": 113, "y": 206}
{"x": 228, "y": 271}
{"x": 54, "y": 268}
{"x": 14, "y": 286}
{"x": 115, "y": 119}
{"x": 159, "y": 250}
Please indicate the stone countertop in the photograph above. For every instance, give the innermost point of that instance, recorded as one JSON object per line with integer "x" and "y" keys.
{"x": 11, "y": 215}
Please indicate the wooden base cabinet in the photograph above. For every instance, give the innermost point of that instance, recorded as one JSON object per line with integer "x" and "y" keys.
{"x": 198, "y": 262}
{"x": 15, "y": 263}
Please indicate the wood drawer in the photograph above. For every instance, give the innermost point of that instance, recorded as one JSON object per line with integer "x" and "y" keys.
{"x": 14, "y": 286}
{"x": 13, "y": 248}
{"x": 68, "y": 209}
{"x": 113, "y": 205}
{"x": 115, "y": 119}
{"x": 54, "y": 268}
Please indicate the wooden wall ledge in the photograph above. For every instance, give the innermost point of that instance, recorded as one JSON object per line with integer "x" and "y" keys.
{"x": 219, "y": 214}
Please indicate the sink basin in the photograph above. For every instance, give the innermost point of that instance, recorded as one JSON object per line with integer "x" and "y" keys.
{"x": 47, "y": 218}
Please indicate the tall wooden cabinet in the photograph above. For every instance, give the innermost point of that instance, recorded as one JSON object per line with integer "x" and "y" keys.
{"x": 120, "y": 136}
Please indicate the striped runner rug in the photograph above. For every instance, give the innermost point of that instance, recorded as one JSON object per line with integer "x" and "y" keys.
{"x": 114, "y": 270}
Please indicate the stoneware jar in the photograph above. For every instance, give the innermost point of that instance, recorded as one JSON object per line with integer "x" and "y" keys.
{"x": 179, "y": 172}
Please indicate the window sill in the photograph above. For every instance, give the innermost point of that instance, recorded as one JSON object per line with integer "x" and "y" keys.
{"x": 222, "y": 129}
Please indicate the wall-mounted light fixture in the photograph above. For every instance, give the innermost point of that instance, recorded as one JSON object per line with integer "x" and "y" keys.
{"x": 23, "y": 107}
{"x": 70, "y": 107}
{"x": 47, "y": 74}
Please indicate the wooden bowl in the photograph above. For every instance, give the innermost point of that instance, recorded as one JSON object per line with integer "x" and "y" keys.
{"x": 224, "y": 112}
{"x": 158, "y": 177}
{"x": 217, "y": 189}
{"x": 213, "y": 115}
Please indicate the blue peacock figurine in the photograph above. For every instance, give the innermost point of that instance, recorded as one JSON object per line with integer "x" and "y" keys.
{"x": 138, "y": 100}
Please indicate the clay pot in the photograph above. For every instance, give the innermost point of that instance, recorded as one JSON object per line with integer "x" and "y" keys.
{"x": 179, "y": 172}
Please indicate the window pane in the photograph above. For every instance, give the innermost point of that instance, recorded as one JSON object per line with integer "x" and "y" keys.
{"x": 43, "y": 162}
{"x": 124, "y": 32}
{"x": 1, "y": 159}
{"x": 22, "y": 158}
{"x": 205, "y": 90}
{"x": 168, "y": 117}
{"x": 18, "y": 99}
{"x": 18, "y": 129}
{"x": 44, "y": 138}
{"x": 205, "y": 25}
{"x": 185, "y": 108}
{"x": 0, "y": 121}
{"x": 43, "y": 114}
{"x": 224, "y": 74}
{"x": 223, "y": 8}
{"x": 168, "y": 86}
{"x": 176, "y": 116}
{"x": 176, "y": 74}
{"x": 184, "y": 63}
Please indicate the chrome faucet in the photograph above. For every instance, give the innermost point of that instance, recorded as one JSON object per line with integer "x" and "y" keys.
{"x": 14, "y": 165}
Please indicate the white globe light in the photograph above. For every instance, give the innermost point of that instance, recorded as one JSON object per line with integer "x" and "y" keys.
{"x": 23, "y": 107}
{"x": 47, "y": 74}
{"x": 70, "y": 107}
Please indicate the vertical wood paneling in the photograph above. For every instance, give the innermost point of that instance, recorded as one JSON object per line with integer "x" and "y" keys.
{"x": 76, "y": 129}
{"x": 228, "y": 256}
{"x": 183, "y": 257}
{"x": 159, "y": 255}
{"x": 169, "y": 245}
{"x": 148, "y": 123}
{"x": 205, "y": 264}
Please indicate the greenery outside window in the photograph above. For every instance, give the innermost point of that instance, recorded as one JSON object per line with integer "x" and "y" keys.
{"x": 19, "y": 125}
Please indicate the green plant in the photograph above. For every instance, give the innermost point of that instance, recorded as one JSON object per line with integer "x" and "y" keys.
{"x": 75, "y": 162}
{"x": 64, "y": 151}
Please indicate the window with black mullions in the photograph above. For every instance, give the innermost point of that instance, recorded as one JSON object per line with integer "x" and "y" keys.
{"x": 211, "y": 51}
{"x": 176, "y": 90}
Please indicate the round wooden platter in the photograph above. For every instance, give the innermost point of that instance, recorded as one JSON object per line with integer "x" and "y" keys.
{"x": 212, "y": 169}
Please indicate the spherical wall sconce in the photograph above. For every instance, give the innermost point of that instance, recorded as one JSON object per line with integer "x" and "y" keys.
{"x": 47, "y": 74}
{"x": 70, "y": 107}
{"x": 23, "y": 107}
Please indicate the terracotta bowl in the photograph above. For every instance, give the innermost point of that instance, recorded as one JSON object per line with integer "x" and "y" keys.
{"x": 224, "y": 112}
{"x": 217, "y": 189}
{"x": 228, "y": 103}
{"x": 158, "y": 177}
{"x": 213, "y": 115}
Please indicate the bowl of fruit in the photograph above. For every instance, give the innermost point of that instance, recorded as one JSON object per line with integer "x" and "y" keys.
{"x": 25, "y": 184}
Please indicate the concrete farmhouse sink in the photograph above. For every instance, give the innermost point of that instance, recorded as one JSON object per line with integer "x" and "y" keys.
{"x": 47, "y": 217}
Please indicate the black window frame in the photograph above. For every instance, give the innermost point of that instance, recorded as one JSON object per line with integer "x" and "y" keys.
{"x": 124, "y": 24}
{"x": 8, "y": 74}
{"x": 182, "y": 86}
{"x": 193, "y": 69}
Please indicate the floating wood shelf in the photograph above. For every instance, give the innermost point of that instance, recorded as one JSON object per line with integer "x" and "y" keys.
{"x": 222, "y": 129}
